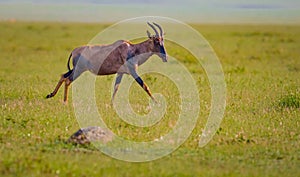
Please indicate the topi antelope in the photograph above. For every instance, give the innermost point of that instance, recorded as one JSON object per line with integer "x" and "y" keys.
{"x": 121, "y": 57}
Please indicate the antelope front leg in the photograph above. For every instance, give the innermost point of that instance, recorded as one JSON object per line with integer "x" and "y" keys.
{"x": 117, "y": 84}
{"x": 145, "y": 87}
{"x": 141, "y": 82}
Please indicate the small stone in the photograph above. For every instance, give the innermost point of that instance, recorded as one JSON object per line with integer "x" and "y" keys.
{"x": 91, "y": 134}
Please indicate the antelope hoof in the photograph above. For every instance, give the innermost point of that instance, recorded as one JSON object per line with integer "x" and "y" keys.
{"x": 154, "y": 100}
{"x": 49, "y": 96}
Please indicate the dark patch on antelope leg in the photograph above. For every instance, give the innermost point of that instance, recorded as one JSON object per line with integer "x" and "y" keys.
{"x": 74, "y": 75}
{"x": 140, "y": 81}
{"x": 145, "y": 87}
{"x": 68, "y": 73}
{"x": 132, "y": 69}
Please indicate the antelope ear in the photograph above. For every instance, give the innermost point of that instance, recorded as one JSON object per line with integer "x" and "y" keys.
{"x": 148, "y": 33}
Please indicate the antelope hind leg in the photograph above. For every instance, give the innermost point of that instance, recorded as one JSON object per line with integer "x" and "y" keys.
{"x": 60, "y": 82}
{"x": 62, "y": 79}
{"x": 67, "y": 84}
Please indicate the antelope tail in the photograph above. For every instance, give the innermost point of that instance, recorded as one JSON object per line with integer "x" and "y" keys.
{"x": 68, "y": 65}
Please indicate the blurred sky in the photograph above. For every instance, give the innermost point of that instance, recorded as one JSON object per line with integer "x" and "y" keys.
{"x": 197, "y": 11}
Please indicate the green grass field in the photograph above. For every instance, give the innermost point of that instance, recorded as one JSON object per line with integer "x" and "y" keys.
{"x": 259, "y": 135}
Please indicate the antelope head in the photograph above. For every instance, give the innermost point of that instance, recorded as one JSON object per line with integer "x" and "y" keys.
{"x": 158, "y": 41}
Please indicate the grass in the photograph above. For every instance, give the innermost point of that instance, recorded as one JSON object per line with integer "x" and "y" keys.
{"x": 290, "y": 101}
{"x": 259, "y": 135}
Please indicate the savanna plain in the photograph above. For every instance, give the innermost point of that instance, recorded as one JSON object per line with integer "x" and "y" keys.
{"x": 259, "y": 135}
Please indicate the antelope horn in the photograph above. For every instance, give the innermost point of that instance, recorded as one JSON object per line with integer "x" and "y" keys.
{"x": 153, "y": 28}
{"x": 160, "y": 29}
{"x": 149, "y": 34}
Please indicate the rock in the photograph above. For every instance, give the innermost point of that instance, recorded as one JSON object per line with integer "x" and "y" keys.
{"x": 91, "y": 134}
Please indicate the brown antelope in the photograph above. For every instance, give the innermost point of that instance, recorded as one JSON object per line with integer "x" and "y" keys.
{"x": 121, "y": 57}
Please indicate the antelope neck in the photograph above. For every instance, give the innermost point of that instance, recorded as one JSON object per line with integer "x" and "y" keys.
{"x": 145, "y": 47}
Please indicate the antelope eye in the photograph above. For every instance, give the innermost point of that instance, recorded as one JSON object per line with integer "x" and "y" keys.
{"x": 156, "y": 41}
